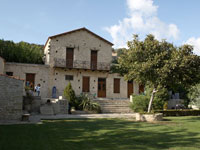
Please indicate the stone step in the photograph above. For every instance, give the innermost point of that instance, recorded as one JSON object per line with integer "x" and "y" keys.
{"x": 116, "y": 111}
{"x": 114, "y": 106}
{"x": 37, "y": 97}
{"x": 112, "y": 102}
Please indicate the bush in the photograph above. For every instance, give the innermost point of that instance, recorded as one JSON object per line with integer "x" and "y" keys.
{"x": 88, "y": 104}
{"x": 186, "y": 112}
{"x": 194, "y": 95}
{"x": 161, "y": 97}
{"x": 165, "y": 106}
{"x": 139, "y": 103}
{"x": 69, "y": 94}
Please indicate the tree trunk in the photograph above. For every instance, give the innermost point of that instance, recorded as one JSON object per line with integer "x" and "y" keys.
{"x": 151, "y": 100}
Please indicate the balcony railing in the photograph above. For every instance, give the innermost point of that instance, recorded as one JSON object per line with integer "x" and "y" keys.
{"x": 79, "y": 64}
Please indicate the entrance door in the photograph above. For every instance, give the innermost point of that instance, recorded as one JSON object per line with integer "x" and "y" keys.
{"x": 86, "y": 84}
{"x": 69, "y": 57}
{"x": 141, "y": 89}
{"x": 94, "y": 60}
{"x": 130, "y": 88}
{"x": 30, "y": 80}
{"x": 101, "y": 87}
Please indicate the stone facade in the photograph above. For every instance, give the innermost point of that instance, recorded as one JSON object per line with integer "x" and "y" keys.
{"x": 11, "y": 97}
{"x": 1, "y": 65}
{"x": 83, "y": 42}
{"x": 41, "y": 74}
{"x": 58, "y": 80}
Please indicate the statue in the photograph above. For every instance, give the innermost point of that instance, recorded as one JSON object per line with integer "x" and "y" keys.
{"x": 54, "y": 92}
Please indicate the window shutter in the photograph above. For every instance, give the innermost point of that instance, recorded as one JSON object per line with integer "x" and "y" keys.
{"x": 116, "y": 85}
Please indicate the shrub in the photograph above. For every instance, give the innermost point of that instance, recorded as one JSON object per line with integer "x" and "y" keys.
{"x": 161, "y": 97}
{"x": 139, "y": 103}
{"x": 186, "y": 112}
{"x": 69, "y": 94}
{"x": 194, "y": 95}
{"x": 88, "y": 104}
{"x": 165, "y": 106}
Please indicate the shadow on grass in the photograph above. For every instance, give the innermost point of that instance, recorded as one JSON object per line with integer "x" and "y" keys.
{"x": 96, "y": 134}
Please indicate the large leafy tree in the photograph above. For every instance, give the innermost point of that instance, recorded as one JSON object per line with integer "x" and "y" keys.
{"x": 159, "y": 64}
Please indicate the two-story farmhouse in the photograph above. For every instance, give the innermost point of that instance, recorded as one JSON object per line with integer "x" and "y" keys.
{"x": 80, "y": 57}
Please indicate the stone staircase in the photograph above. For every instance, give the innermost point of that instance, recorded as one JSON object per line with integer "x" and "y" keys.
{"x": 114, "y": 106}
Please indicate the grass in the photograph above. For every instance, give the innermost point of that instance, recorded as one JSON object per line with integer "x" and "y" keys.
{"x": 175, "y": 133}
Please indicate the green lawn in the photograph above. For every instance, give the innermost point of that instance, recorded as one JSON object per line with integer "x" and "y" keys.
{"x": 175, "y": 133}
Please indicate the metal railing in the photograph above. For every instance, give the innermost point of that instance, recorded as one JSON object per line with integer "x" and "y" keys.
{"x": 79, "y": 64}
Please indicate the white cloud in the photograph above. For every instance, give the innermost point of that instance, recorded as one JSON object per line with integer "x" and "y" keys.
{"x": 142, "y": 20}
{"x": 195, "y": 42}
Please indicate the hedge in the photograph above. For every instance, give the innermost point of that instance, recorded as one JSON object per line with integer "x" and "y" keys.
{"x": 182, "y": 112}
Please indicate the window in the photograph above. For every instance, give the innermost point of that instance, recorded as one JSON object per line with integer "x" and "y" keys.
{"x": 68, "y": 77}
{"x": 69, "y": 57}
{"x": 93, "y": 60}
{"x": 116, "y": 85}
{"x": 9, "y": 73}
{"x": 30, "y": 80}
{"x": 141, "y": 89}
{"x": 86, "y": 84}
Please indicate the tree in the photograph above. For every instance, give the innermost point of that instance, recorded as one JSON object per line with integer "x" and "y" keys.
{"x": 69, "y": 94}
{"x": 194, "y": 95}
{"x": 159, "y": 64}
{"x": 21, "y": 52}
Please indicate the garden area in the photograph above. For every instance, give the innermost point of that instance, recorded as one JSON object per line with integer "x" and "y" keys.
{"x": 174, "y": 133}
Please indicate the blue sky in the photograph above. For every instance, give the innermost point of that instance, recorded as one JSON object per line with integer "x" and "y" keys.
{"x": 115, "y": 20}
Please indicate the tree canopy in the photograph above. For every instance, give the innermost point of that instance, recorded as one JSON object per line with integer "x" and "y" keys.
{"x": 21, "y": 52}
{"x": 159, "y": 63}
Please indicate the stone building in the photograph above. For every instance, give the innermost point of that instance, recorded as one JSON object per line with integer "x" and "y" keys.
{"x": 80, "y": 57}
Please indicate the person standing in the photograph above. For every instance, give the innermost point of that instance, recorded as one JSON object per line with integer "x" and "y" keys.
{"x": 37, "y": 89}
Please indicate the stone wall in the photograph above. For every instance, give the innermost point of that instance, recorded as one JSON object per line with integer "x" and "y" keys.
{"x": 54, "y": 107}
{"x": 2, "y": 65}
{"x": 41, "y": 74}
{"x": 149, "y": 117}
{"x": 11, "y": 97}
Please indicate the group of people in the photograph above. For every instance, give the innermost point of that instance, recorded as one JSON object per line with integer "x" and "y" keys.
{"x": 35, "y": 89}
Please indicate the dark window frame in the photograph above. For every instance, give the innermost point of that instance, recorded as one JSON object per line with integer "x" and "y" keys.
{"x": 69, "y": 77}
{"x": 116, "y": 86}
{"x": 86, "y": 90}
{"x": 9, "y": 73}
